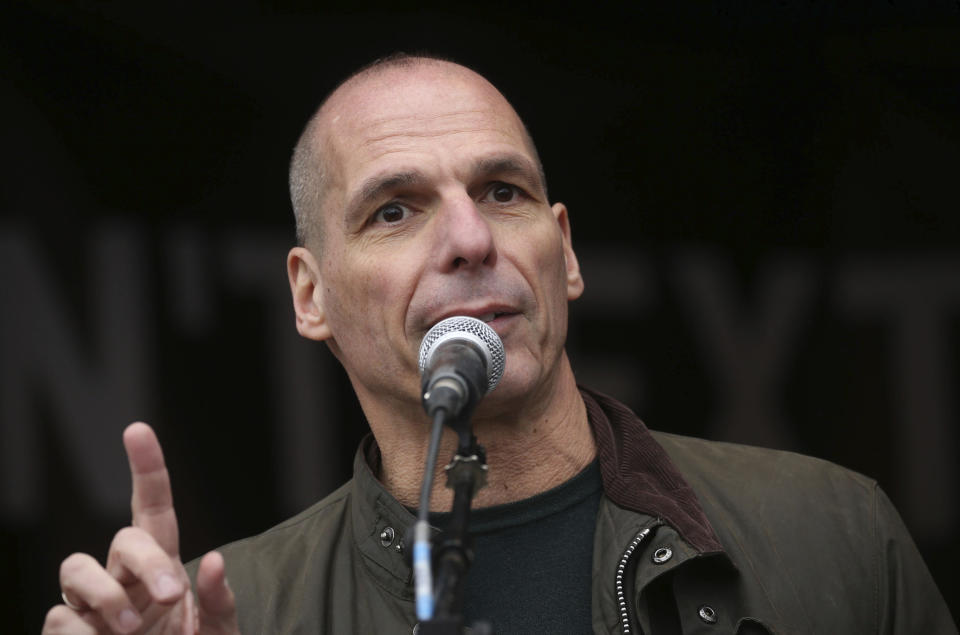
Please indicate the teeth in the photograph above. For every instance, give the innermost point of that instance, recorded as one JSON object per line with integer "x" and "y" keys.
{"x": 488, "y": 317}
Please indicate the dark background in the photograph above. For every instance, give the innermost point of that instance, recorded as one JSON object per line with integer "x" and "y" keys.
{"x": 763, "y": 200}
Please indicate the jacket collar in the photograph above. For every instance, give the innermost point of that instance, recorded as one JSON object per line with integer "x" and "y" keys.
{"x": 380, "y": 523}
{"x": 639, "y": 476}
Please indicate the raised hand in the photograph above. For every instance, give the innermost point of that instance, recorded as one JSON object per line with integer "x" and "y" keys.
{"x": 144, "y": 587}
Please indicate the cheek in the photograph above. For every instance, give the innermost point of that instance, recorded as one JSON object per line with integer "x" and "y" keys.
{"x": 552, "y": 281}
{"x": 539, "y": 257}
{"x": 550, "y": 267}
{"x": 366, "y": 296}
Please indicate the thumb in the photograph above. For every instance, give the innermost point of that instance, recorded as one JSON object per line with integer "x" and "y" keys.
{"x": 217, "y": 608}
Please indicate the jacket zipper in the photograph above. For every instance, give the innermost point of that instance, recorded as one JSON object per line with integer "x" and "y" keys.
{"x": 622, "y": 600}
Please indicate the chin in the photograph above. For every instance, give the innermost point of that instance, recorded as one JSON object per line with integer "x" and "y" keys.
{"x": 514, "y": 387}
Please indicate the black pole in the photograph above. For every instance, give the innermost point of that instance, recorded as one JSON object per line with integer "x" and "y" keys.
{"x": 453, "y": 547}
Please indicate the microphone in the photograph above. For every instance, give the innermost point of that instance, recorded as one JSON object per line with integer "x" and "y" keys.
{"x": 461, "y": 360}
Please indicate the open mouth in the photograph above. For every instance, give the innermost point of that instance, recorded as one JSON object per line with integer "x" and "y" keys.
{"x": 490, "y": 317}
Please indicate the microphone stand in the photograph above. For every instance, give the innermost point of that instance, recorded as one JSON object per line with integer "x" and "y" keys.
{"x": 461, "y": 359}
{"x": 453, "y": 547}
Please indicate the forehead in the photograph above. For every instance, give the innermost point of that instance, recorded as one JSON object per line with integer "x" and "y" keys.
{"x": 415, "y": 114}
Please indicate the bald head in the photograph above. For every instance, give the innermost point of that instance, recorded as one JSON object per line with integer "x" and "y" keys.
{"x": 317, "y": 157}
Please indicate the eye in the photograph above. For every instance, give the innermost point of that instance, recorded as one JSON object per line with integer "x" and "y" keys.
{"x": 390, "y": 213}
{"x": 503, "y": 193}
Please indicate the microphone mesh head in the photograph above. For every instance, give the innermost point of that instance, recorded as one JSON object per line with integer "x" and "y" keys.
{"x": 472, "y": 330}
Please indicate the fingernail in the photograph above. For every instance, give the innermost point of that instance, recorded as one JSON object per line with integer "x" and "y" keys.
{"x": 168, "y": 587}
{"x": 128, "y": 620}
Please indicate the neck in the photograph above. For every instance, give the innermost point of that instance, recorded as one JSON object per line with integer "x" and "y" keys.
{"x": 531, "y": 450}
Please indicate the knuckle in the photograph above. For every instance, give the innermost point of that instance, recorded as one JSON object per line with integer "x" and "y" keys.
{"x": 126, "y": 537}
{"x": 127, "y": 533}
{"x": 74, "y": 563}
{"x": 56, "y": 617}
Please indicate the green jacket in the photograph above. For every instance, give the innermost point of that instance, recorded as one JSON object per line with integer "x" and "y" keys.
{"x": 737, "y": 539}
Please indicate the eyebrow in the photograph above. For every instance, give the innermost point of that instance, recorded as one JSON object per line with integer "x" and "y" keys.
{"x": 379, "y": 184}
{"x": 376, "y": 186}
{"x": 510, "y": 164}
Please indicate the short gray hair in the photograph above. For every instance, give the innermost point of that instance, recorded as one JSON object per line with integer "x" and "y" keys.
{"x": 306, "y": 184}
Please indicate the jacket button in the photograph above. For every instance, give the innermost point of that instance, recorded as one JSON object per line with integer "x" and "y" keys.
{"x": 662, "y": 554}
{"x": 386, "y": 536}
{"x": 707, "y": 614}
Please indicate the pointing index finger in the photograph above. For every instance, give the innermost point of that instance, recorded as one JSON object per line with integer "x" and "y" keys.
{"x": 152, "y": 502}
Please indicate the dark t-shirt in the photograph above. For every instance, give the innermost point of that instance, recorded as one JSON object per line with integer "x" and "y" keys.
{"x": 547, "y": 538}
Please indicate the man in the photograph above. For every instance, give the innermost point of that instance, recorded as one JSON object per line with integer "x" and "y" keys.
{"x": 419, "y": 195}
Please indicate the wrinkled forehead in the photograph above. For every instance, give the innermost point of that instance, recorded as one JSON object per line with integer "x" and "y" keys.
{"x": 372, "y": 114}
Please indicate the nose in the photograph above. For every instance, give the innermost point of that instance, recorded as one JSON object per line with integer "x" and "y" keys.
{"x": 465, "y": 236}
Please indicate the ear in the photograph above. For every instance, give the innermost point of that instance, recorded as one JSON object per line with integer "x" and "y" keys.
{"x": 574, "y": 279}
{"x": 307, "y": 291}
